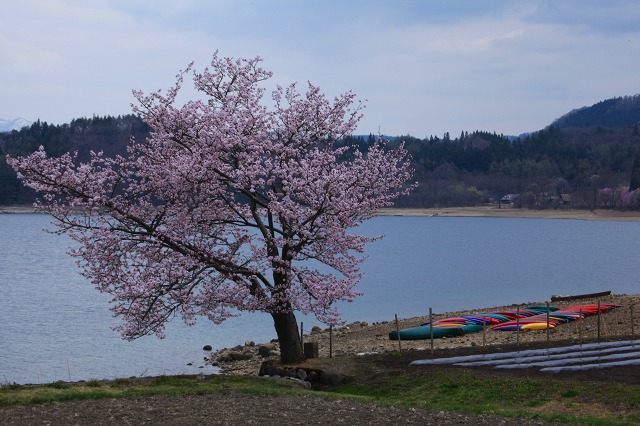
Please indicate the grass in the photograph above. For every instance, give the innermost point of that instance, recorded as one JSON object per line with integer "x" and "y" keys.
{"x": 381, "y": 379}
{"x": 479, "y": 391}
{"x": 127, "y": 388}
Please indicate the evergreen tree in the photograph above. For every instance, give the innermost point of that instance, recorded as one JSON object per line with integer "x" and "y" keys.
{"x": 635, "y": 173}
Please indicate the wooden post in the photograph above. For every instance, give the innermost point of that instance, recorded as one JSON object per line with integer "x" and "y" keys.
{"x": 431, "y": 329}
{"x": 518, "y": 326}
{"x": 302, "y": 336}
{"x": 598, "y": 320}
{"x": 330, "y": 341}
{"x": 580, "y": 326}
{"x": 484, "y": 331}
{"x": 398, "y": 332}
{"x": 633, "y": 334}
{"x": 548, "y": 323}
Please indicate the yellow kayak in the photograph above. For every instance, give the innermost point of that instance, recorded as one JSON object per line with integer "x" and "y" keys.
{"x": 536, "y": 326}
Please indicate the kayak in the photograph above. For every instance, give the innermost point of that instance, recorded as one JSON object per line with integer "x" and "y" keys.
{"x": 528, "y": 318}
{"x": 536, "y": 326}
{"x": 424, "y": 332}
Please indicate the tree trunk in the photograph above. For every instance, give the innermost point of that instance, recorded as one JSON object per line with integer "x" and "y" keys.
{"x": 288, "y": 337}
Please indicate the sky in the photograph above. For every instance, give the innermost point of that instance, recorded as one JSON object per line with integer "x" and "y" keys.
{"x": 424, "y": 67}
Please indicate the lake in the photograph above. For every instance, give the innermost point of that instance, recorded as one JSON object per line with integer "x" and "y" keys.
{"x": 55, "y": 326}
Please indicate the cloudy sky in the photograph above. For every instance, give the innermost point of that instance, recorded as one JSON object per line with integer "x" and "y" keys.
{"x": 425, "y": 66}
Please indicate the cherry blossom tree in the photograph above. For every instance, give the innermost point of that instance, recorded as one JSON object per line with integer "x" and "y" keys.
{"x": 234, "y": 203}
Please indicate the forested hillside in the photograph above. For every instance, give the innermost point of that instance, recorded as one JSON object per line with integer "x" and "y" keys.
{"x": 108, "y": 134}
{"x": 570, "y": 163}
{"x": 616, "y": 112}
{"x": 593, "y": 166}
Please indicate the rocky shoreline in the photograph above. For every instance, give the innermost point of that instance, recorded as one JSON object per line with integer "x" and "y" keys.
{"x": 362, "y": 338}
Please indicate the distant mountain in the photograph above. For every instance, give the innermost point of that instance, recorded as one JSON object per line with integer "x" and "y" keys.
{"x": 13, "y": 124}
{"x": 612, "y": 113}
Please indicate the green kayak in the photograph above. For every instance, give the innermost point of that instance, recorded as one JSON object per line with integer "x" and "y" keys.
{"x": 424, "y": 332}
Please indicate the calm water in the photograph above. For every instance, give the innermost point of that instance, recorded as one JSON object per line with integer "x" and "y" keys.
{"x": 55, "y": 326}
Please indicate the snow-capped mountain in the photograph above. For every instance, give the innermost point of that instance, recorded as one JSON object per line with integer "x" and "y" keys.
{"x": 13, "y": 124}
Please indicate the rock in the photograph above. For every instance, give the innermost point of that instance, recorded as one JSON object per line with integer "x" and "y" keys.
{"x": 236, "y": 355}
{"x": 224, "y": 358}
{"x": 207, "y": 348}
{"x": 266, "y": 350}
{"x": 246, "y": 354}
{"x": 237, "y": 348}
{"x": 330, "y": 379}
{"x": 265, "y": 369}
{"x": 250, "y": 343}
{"x": 302, "y": 374}
{"x": 313, "y": 376}
{"x": 302, "y": 383}
{"x": 315, "y": 330}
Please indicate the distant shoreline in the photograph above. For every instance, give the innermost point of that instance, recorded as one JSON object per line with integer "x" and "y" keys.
{"x": 17, "y": 209}
{"x": 488, "y": 211}
{"x": 507, "y": 212}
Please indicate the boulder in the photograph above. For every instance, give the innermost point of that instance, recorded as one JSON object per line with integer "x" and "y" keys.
{"x": 207, "y": 348}
{"x": 330, "y": 379}
{"x": 236, "y": 355}
{"x": 266, "y": 350}
{"x": 302, "y": 374}
{"x": 313, "y": 376}
{"x": 224, "y": 358}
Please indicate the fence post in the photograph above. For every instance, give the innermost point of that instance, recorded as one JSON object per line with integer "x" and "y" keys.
{"x": 398, "y": 332}
{"x": 330, "y": 341}
{"x": 633, "y": 334}
{"x": 302, "y": 336}
{"x": 598, "y": 320}
{"x": 484, "y": 331}
{"x": 548, "y": 323}
{"x": 580, "y": 326}
{"x": 518, "y": 327}
{"x": 431, "y": 329}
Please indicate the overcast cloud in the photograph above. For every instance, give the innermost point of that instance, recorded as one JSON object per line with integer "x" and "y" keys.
{"x": 425, "y": 66}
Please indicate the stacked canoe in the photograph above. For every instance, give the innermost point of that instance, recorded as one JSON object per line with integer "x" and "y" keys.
{"x": 556, "y": 317}
{"x": 529, "y": 318}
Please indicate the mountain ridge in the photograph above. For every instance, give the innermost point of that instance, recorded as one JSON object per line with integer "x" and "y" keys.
{"x": 13, "y": 124}
{"x": 614, "y": 113}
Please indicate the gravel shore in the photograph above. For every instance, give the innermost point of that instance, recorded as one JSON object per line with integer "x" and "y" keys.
{"x": 362, "y": 337}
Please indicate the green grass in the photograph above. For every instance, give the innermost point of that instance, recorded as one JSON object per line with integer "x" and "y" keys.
{"x": 125, "y": 388}
{"x": 459, "y": 390}
{"x": 449, "y": 389}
